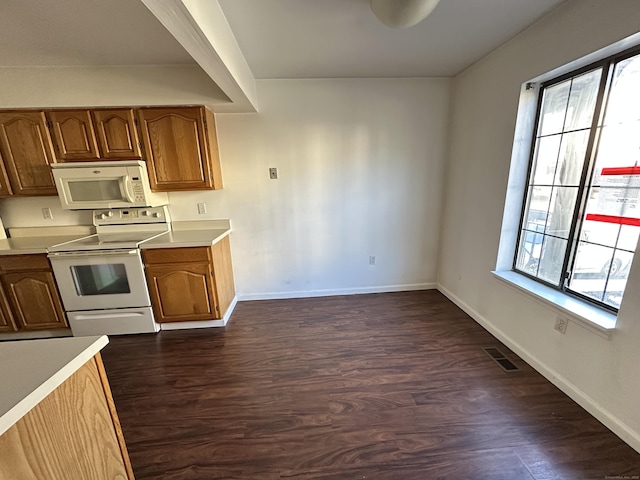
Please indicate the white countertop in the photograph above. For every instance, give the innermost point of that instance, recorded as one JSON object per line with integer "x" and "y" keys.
{"x": 191, "y": 234}
{"x": 187, "y": 238}
{"x": 28, "y": 245}
{"x": 32, "y": 369}
{"x": 28, "y": 240}
{"x": 183, "y": 234}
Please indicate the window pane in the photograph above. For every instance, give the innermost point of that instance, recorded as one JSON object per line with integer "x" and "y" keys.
{"x": 535, "y": 217}
{"x": 546, "y": 159}
{"x": 619, "y": 145}
{"x": 571, "y": 159}
{"x": 551, "y": 259}
{"x": 561, "y": 208}
{"x": 591, "y": 270}
{"x": 529, "y": 252}
{"x": 601, "y": 233}
{"x": 617, "y": 278}
{"x": 582, "y": 100}
{"x": 628, "y": 239}
{"x": 624, "y": 100}
{"x": 554, "y": 108}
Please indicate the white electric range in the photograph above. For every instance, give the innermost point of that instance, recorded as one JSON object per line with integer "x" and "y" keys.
{"x": 101, "y": 277}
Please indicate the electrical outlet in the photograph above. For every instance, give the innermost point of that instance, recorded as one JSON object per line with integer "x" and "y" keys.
{"x": 202, "y": 208}
{"x": 46, "y": 213}
{"x": 372, "y": 260}
{"x": 561, "y": 325}
{"x": 273, "y": 173}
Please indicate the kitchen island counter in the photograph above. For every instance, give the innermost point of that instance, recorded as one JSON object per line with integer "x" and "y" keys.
{"x": 31, "y": 370}
{"x": 57, "y": 415}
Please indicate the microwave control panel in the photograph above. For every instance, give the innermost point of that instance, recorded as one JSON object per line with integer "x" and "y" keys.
{"x": 138, "y": 189}
{"x": 126, "y": 216}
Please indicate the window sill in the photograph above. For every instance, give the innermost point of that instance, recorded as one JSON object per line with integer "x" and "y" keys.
{"x": 589, "y": 316}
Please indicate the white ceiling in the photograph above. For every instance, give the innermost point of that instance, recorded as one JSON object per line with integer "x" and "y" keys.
{"x": 84, "y": 32}
{"x": 279, "y": 38}
{"x": 343, "y": 38}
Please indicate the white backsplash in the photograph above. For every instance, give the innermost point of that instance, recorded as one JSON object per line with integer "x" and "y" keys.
{"x": 27, "y": 212}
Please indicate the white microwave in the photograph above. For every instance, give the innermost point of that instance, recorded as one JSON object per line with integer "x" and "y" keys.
{"x": 94, "y": 185}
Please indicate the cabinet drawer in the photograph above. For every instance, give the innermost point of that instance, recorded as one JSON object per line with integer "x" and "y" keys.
{"x": 13, "y": 263}
{"x": 154, "y": 256}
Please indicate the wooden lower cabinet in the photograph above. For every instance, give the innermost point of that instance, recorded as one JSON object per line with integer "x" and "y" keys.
{"x": 73, "y": 434}
{"x": 190, "y": 284}
{"x": 29, "y": 297}
{"x": 7, "y": 323}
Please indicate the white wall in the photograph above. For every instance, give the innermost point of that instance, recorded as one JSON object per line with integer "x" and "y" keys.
{"x": 361, "y": 166}
{"x": 601, "y": 374}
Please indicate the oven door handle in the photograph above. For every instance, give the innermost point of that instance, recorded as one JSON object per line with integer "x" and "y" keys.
{"x": 100, "y": 316}
{"x": 92, "y": 253}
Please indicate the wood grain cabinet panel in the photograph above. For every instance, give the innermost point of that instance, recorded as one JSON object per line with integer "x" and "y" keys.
{"x": 27, "y": 152}
{"x": 182, "y": 293}
{"x": 35, "y": 300}
{"x": 198, "y": 285}
{"x": 7, "y": 324}
{"x": 73, "y": 434}
{"x": 181, "y": 148}
{"x": 29, "y": 293}
{"x": 117, "y": 134}
{"x": 74, "y": 135}
{"x": 5, "y": 186}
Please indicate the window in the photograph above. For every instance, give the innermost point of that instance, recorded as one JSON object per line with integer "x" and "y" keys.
{"x": 581, "y": 212}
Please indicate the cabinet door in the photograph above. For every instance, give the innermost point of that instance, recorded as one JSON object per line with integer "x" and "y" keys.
{"x": 35, "y": 300}
{"x": 182, "y": 292}
{"x": 28, "y": 152}
{"x": 117, "y": 134}
{"x": 5, "y": 187}
{"x": 175, "y": 144}
{"x": 223, "y": 271}
{"x": 7, "y": 324}
{"x": 73, "y": 134}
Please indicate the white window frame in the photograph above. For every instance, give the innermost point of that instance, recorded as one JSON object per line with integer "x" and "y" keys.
{"x": 593, "y": 317}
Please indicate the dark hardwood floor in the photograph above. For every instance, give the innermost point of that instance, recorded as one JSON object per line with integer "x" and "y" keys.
{"x": 385, "y": 386}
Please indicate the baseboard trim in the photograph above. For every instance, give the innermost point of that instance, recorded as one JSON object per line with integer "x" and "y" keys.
{"x": 618, "y": 427}
{"x": 202, "y": 324}
{"x": 334, "y": 292}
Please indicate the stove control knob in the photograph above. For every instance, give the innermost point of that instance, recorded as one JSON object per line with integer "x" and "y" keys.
{"x": 146, "y": 213}
{"x": 156, "y": 215}
{"x": 103, "y": 216}
{"x": 109, "y": 213}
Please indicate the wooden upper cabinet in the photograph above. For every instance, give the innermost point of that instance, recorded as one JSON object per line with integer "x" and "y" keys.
{"x": 117, "y": 134}
{"x": 181, "y": 148}
{"x": 88, "y": 135}
{"x": 27, "y": 152}
{"x": 74, "y": 135}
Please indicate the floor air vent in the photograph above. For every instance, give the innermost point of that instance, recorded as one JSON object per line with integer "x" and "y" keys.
{"x": 506, "y": 364}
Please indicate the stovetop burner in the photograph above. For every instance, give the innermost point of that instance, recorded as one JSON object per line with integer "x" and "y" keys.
{"x": 120, "y": 229}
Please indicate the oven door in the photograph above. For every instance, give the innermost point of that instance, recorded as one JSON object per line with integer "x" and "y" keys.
{"x": 102, "y": 279}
